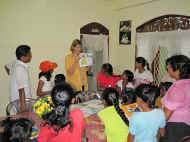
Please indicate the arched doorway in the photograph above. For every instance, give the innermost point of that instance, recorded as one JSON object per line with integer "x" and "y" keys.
{"x": 161, "y": 37}
{"x": 95, "y": 40}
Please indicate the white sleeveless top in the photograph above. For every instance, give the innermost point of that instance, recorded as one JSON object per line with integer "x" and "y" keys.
{"x": 48, "y": 85}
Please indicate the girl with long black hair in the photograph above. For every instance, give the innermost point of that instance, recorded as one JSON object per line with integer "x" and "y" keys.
{"x": 113, "y": 117}
{"x": 62, "y": 124}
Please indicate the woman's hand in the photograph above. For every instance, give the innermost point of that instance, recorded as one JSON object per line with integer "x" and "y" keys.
{"x": 71, "y": 70}
{"x": 77, "y": 58}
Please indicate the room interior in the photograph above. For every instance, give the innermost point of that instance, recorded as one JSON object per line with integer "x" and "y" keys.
{"x": 50, "y": 26}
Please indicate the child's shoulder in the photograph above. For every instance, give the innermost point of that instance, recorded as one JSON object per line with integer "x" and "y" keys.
{"x": 76, "y": 113}
{"x": 158, "y": 110}
{"x": 43, "y": 78}
{"x": 154, "y": 111}
{"x": 158, "y": 113}
{"x": 136, "y": 115}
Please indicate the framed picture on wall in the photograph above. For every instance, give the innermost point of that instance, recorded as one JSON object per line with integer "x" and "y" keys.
{"x": 125, "y": 32}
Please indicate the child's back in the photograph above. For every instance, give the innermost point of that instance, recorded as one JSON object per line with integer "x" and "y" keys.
{"x": 145, "y": 125}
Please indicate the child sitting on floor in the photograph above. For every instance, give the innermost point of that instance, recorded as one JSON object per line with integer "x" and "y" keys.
{"x": 126, "y": 81}
{"x": 150, "y": 123}
{"x": 142, "y": 73}
{"x": 106, "y": 77}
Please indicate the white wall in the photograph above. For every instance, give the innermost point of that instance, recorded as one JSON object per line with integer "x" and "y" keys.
{"x": 48, "y": 26}
{"x": 123, "y": 56}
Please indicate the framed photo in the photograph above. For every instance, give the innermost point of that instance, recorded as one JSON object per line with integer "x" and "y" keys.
{"x": 125, "y": 32}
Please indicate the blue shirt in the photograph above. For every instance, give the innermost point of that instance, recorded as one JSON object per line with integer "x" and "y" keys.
{"x": 145, "y": 125}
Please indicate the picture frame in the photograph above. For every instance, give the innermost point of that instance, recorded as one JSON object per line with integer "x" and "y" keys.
{"x": 125, "y": 32}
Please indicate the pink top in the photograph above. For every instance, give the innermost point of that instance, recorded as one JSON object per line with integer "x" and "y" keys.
{"x": 177, "y": 99}
{"x": 70, "y": 133}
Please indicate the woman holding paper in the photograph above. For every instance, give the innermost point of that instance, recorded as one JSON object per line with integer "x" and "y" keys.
{"x": 76, "y": 75}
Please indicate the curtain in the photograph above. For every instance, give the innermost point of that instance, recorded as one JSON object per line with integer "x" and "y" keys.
{"x": 93, "y": 43}
{"x": 98, "y": 46}
{"x": 167, "y": 43}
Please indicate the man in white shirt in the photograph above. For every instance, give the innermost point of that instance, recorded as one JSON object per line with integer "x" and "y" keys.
{"x": 19, "y": 76}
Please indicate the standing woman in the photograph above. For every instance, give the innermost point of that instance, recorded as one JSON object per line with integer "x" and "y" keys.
{"x": 76, "y": 75}
{"x": 176, "y": 102}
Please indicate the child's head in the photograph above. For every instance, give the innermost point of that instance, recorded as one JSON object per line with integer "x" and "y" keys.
{"x": 59, "y": 79}
{"x": 17, "y": 130}
{"x": 107, "y": 69}
{"x": 178, "y": 66}
{"x": 141, "y": 63}
{"x": 164, "y": 86}
{"x": 23, "y": 53}
{"x": 129, "y": 96}
{"x": 146, "y": 95}
{"x": 61, "y": 97}
{"x": 47, "y": 68}
{"x": 110, "y": 96}
{"x": 128, "y": 76}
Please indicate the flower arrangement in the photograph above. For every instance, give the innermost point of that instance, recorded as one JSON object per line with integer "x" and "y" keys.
{"x": 43, "y": 106}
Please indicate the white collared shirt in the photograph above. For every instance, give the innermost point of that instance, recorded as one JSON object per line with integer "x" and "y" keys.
{"x": 11, "y": 66}
{"x": 19, "y": 79}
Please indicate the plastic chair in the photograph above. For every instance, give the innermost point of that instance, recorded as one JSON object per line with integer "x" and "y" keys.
{"x": 13, "y": 108}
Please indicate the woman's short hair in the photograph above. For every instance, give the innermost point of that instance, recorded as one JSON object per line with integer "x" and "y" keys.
{"x": 75, "y": 43}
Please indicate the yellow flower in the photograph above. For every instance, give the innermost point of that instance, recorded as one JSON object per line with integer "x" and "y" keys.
{"x": 43, "y": 106}
{"x": 49, "y": 99}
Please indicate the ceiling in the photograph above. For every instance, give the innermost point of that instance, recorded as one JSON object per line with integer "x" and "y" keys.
{"x": 121, "y": 4}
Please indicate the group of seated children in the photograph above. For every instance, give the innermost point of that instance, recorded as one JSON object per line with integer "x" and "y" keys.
{"x": 147, "y": 113}
{"x": 142, "y": 75}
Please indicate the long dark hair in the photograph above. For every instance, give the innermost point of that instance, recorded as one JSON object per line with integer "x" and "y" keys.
{"x": 47, "y": 75}
{"x": 107, "y": 68}
{"x": 185, "y": 72}
{"x": 165, "y": 85}
{"x": 129, "y": 75}
{"x": 148, "y": 93}
{"x": 143, "y": 61}
{"x": 129, "y": 96}
{"x": 181, "y": 63}
{"x": 17, "y": 130}
{"x": 111, "y": 97}
{"x": 61, "y": 96}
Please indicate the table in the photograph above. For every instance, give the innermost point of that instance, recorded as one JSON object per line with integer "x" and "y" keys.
{"x": 90, "y": 107}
